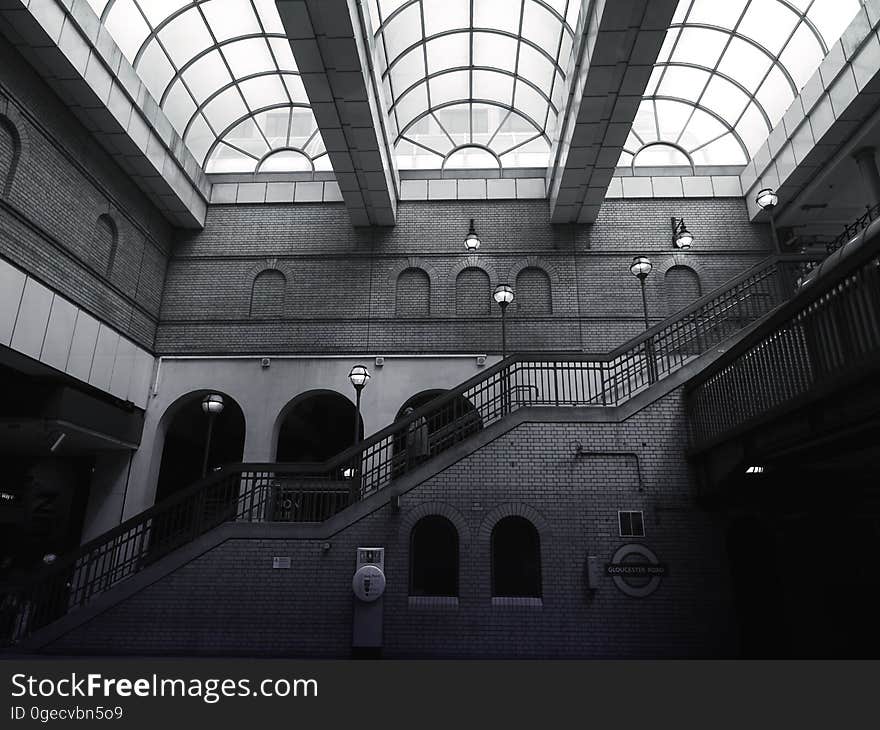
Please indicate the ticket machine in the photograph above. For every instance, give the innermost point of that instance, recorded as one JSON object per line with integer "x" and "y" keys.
{"x": 368, "y": 585}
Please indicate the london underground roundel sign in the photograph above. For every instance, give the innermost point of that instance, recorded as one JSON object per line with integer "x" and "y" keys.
{"x": 636, "y": 570}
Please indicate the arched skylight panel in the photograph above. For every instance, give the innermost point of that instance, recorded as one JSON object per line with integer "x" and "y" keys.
{"x": 436, "y": 137}
{"x": 661, "y": 155}
{"x": 435, "y": 54}
{"x": 255, "y": 143}
{"x": 742, "y": 62}
{"x": 694, "y": 130}
{"x": 210, "y": 64}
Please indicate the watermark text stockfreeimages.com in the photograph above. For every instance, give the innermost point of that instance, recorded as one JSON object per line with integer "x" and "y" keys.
{"x": 208, "y": 690}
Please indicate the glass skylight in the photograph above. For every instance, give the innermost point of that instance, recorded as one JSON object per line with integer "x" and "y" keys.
{"x": 473, "y": 83}
{"x": 727, "y": 73}
{"x": 223, "y": 72}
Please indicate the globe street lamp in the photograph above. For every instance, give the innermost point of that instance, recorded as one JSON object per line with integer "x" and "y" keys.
{"x": 358, "y": 376}
{"x": 212, "y": 406}
{"x": 503, "y": 295}
{"x": 640, "y": 268}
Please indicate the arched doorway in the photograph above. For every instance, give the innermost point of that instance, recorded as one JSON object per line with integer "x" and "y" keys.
{"x": 448, "y": 424}
{"x": 186, "y": 434}
{"x": 315, "y": 426}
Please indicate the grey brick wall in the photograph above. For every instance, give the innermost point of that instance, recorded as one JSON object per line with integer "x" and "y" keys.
{"x": 342, "y": 287}
{"x": 55, "y": 207}
{"x": 230, "y": 600}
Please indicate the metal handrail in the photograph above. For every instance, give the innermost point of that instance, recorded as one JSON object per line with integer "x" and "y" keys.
{"x": 253, "y": 492}
{"x": 829, "y": 329}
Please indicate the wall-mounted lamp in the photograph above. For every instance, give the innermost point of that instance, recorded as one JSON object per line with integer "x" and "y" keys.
{"x": 767, "y": 199}
{"x": 472, "y": 240}
{"x": 681, "y": 236}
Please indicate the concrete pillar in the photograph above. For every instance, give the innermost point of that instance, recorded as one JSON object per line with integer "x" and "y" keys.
{"x": 106, "y": 493}
{"x": 867, "y": 162}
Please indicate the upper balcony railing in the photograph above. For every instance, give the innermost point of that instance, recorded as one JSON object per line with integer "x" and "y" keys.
{"x": 316, "y": 492}
{"x": 854, "y": 229}
{"x": 828, "y": 333}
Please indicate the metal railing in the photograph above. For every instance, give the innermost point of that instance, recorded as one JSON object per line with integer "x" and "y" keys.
{"x": 828, "y": 333}
{"x": 315, "y": 492}
{"x": 851, "y": 230}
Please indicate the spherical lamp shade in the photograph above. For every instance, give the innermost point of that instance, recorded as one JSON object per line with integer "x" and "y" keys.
{"x": 767, "y": 199}
{"x": 472, "y": 241}
{"x": 213, "y": 404}
{"x": 359, "y": 376}
{"x": 641, "y": 266}
{"x": 503, "y": 294}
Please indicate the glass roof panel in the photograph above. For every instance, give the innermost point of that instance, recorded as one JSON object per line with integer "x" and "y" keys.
{"x": 662, "y": 155}
{"x": 465, "y": 65}
{"x": 215, "y": 66}
{"x": 735, "y": 68}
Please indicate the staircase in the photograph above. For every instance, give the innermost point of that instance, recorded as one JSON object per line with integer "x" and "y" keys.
{"x": 309, "y": 493}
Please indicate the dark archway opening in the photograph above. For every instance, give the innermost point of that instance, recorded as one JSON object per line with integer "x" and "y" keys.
{"x": 448, "y": 424}
{"x": 185, "y": 439}
{"x": 434, "y": 558}
{"x": 316, "y": 427}
{"x": 516, "y": 558}
{"x": 752, "y": 556}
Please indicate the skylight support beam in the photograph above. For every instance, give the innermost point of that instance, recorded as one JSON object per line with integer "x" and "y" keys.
{"x": 618, "y": 44}
{"x": 66, "y": 45}
{"x": 327, "y": 39}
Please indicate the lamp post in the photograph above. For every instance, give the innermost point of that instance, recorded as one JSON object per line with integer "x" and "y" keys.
{"x": 767, "y": 200}
{"x": 358, "y": 376}
{"x": 640, "y": 268}
{"x": 472, "y": 240}
{"x": 681, "y": 236}
{"x": 212, "y": 406}
{"x": 503, "y": 295}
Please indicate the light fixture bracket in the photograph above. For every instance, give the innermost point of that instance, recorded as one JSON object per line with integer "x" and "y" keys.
{"x": 682, "y": 238}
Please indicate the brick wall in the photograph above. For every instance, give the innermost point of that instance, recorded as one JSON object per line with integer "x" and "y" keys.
{"x": 67, "y": 202}
{"x": 473, "y": 293}
{"x": 231, "y": 600}
{"x": 342, "y": 282}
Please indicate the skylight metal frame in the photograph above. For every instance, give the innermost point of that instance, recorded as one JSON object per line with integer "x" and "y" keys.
{"x": 742, "y": 130}
{"x": 540, "y": 126}
{"x": 195, "y": 120}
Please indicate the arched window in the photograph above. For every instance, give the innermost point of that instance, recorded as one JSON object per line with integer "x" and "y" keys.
{"x": 413, "y": 293}
{"x": 516, "y": 558}
{"x": 10, "y": 149}
{"x": 681, "y": 287}
{"x": 472, "y": 297}
{"x": 433, "y": 555}
{"x": 106, "y": 242}
{"x": 533, "y": 294}
{"x": 267, "y": 295}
